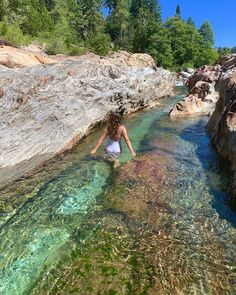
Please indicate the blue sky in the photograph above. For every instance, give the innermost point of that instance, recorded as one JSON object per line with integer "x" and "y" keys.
{"x": 221, "y": 14}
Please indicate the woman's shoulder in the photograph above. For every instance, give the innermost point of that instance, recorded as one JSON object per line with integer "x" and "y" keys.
{"x": 122, "y": 130}
{"x": 122, "y": 127}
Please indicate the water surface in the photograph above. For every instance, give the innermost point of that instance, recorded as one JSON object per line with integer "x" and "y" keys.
{"x": 81, "y": 204}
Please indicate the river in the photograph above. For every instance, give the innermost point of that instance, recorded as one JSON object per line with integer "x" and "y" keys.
{"x": 159, "y": 224}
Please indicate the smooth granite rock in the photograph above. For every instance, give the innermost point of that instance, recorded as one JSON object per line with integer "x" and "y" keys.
{"x": 47, "y": 109}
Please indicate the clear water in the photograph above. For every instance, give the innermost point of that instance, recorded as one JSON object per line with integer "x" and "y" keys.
{"x": 41, "y": 233}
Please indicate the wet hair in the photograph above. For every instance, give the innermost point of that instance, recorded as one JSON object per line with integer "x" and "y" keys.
{"x": 114, "y": 121}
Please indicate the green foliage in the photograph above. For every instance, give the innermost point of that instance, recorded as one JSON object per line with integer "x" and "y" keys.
{"x": 13, "y": 34}
{"x": 76, "y": 26}
{"x": 98, "y": 43}
{"x": 188, "y": 46}
{"x": 92, "y": 29}
{"x": 160, "y": 49}
{"x": 118, "y": 24}
{"x": 178, "y": 11}
{"x": 207, "y": 33}
{"x": 190, "y": 22}
{"x": 145, "y": 22}
{"x": 233, "y": 49}
{"x": 224, "y": 50}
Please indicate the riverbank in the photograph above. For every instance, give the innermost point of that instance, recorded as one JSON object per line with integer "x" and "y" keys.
{"x": 47, "y": 109}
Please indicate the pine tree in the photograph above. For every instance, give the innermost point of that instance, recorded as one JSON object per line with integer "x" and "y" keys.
{"x": 63, "y": 36}
{"x": 146, "y": 21}
{"x": 233, "y": 49}
{"x": 155, "y": 10}
{"x": 50, "y": 4}
{"x": 118, "y": 24}
{"x": 178, "y": 11}
{"x": 190, "y": 22}
{"x": 93, "y": 29}
{"x": 207, "y": 33}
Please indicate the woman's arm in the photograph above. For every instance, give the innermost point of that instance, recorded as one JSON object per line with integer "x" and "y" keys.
{"x": 100, "y": 141}
{"x": 126, "y": 138}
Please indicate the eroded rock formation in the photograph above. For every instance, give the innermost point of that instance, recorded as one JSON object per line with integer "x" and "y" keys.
{"x": 202, "y": 95}
{"x": 47, "y": 109}
{"x": 222, "y": 124}
{"x": 212, "y": 90}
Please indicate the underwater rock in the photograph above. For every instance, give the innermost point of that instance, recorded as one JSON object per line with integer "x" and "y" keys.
{"x": 141, "y": 244}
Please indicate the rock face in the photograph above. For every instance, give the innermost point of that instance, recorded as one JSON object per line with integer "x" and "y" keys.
{"x": 12, "y": 57}
{"x": 215, "y": 87}
{"x": 222, "y": 124}
{"x": 47, "y": 109}
{"x": 202, "y": 95}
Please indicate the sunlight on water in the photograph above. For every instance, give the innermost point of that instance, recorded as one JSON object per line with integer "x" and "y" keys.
{"x": 43, "y": 225}
{"x": 177, "y": 238}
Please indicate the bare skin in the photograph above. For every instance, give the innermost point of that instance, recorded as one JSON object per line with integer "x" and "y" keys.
{"x": 121, "y": 133}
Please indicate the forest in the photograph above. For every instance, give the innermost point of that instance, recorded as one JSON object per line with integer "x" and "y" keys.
{"x": 77, "y": 26}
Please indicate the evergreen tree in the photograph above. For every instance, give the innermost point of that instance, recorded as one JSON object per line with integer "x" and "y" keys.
{"x": 178, "y": 11}
{"x": 118, "y": 24}
{"x": 146, "y": 21}
{"x": 207, "y": 33}
{"x": 93, "y": 29}
{"x": 155, "y": 10}
{"x": 190, "y": 22}
{"x": 224, "y": 50}
{"x": 187, "y": 45}
{"x": 73, "y": 26}
{"x": 233, "y": 49}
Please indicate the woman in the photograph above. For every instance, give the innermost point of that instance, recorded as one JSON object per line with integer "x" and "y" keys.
{"x": 115, "y": 131}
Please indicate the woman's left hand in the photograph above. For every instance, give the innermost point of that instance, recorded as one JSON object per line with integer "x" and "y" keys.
{"x": 93, "y": 152}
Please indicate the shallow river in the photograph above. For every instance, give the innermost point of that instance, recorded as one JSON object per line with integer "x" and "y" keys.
{"x": 159, "y": 224}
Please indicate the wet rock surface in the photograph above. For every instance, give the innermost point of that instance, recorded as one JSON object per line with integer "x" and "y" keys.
{"x": 140, "y": 245}
{"x": 47, "y": 109}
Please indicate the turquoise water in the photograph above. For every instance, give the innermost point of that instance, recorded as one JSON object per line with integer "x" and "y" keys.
{"x": 38, "y": 235}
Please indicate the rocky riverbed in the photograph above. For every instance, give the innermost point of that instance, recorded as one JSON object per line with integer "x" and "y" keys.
{"x": 212, "y": 91}
{"x": 46, "y": 109}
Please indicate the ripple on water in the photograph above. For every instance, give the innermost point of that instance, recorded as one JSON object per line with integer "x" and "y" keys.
{"x": 158, "y": 229}
{"x": 43, "y": 226}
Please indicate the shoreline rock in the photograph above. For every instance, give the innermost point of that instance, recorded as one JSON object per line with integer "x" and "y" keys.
{"x": 222, "y": 124}
{"x": 202, "y": 95}
{"x": 47, "y": 109}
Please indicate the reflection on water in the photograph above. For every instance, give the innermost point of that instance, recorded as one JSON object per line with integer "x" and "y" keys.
{"x": 158, "y": 225}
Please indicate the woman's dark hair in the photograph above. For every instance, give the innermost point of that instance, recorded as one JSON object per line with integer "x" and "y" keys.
{"x": 114, "y": 121}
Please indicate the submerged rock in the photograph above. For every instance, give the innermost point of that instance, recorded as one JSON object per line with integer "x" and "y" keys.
{"x": 142, "y": 243}
{"x": 47, "y": 109}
